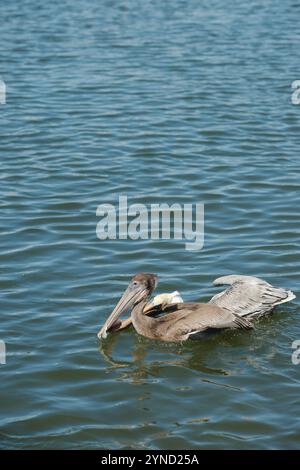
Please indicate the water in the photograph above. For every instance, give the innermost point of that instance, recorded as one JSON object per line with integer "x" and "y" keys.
{"x": 180, "y": 101}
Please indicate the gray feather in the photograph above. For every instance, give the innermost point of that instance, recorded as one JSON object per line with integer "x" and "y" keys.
{"x": 249, "y": 296}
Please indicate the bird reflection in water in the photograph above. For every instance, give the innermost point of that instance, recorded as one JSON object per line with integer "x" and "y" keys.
{"x": 143, "y": 364}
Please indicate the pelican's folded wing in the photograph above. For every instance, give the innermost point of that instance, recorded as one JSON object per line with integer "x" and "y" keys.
{"x": 249, "y": 296}
{"x": 187, "y": 319}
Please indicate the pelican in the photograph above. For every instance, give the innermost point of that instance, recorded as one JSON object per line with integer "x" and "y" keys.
{"x": 247, "y": 296}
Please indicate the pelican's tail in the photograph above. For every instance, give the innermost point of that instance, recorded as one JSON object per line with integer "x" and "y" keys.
{"x": 290, "y": 296}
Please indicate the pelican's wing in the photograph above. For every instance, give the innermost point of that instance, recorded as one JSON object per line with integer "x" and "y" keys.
{"x": 187, "y": 319}
{"x": 249, "y": 296}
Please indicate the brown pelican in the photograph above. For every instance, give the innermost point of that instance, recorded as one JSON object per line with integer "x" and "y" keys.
{"x": 246, "y": 297}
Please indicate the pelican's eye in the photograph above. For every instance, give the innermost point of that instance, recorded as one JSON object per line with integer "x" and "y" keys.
{"x": 134, "y": 284}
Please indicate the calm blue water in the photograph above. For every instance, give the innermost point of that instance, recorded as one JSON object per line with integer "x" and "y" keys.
{"x": 175, "y": 101}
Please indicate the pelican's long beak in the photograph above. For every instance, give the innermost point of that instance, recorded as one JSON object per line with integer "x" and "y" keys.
{"x": 131, "y": 296}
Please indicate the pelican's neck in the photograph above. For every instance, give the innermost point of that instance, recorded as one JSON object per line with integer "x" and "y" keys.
{"x": 142, "y": 323}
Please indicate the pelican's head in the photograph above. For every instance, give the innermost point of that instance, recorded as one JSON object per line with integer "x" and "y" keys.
{"x": 172, "y": 298}
{"x": 140, "y": 288}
